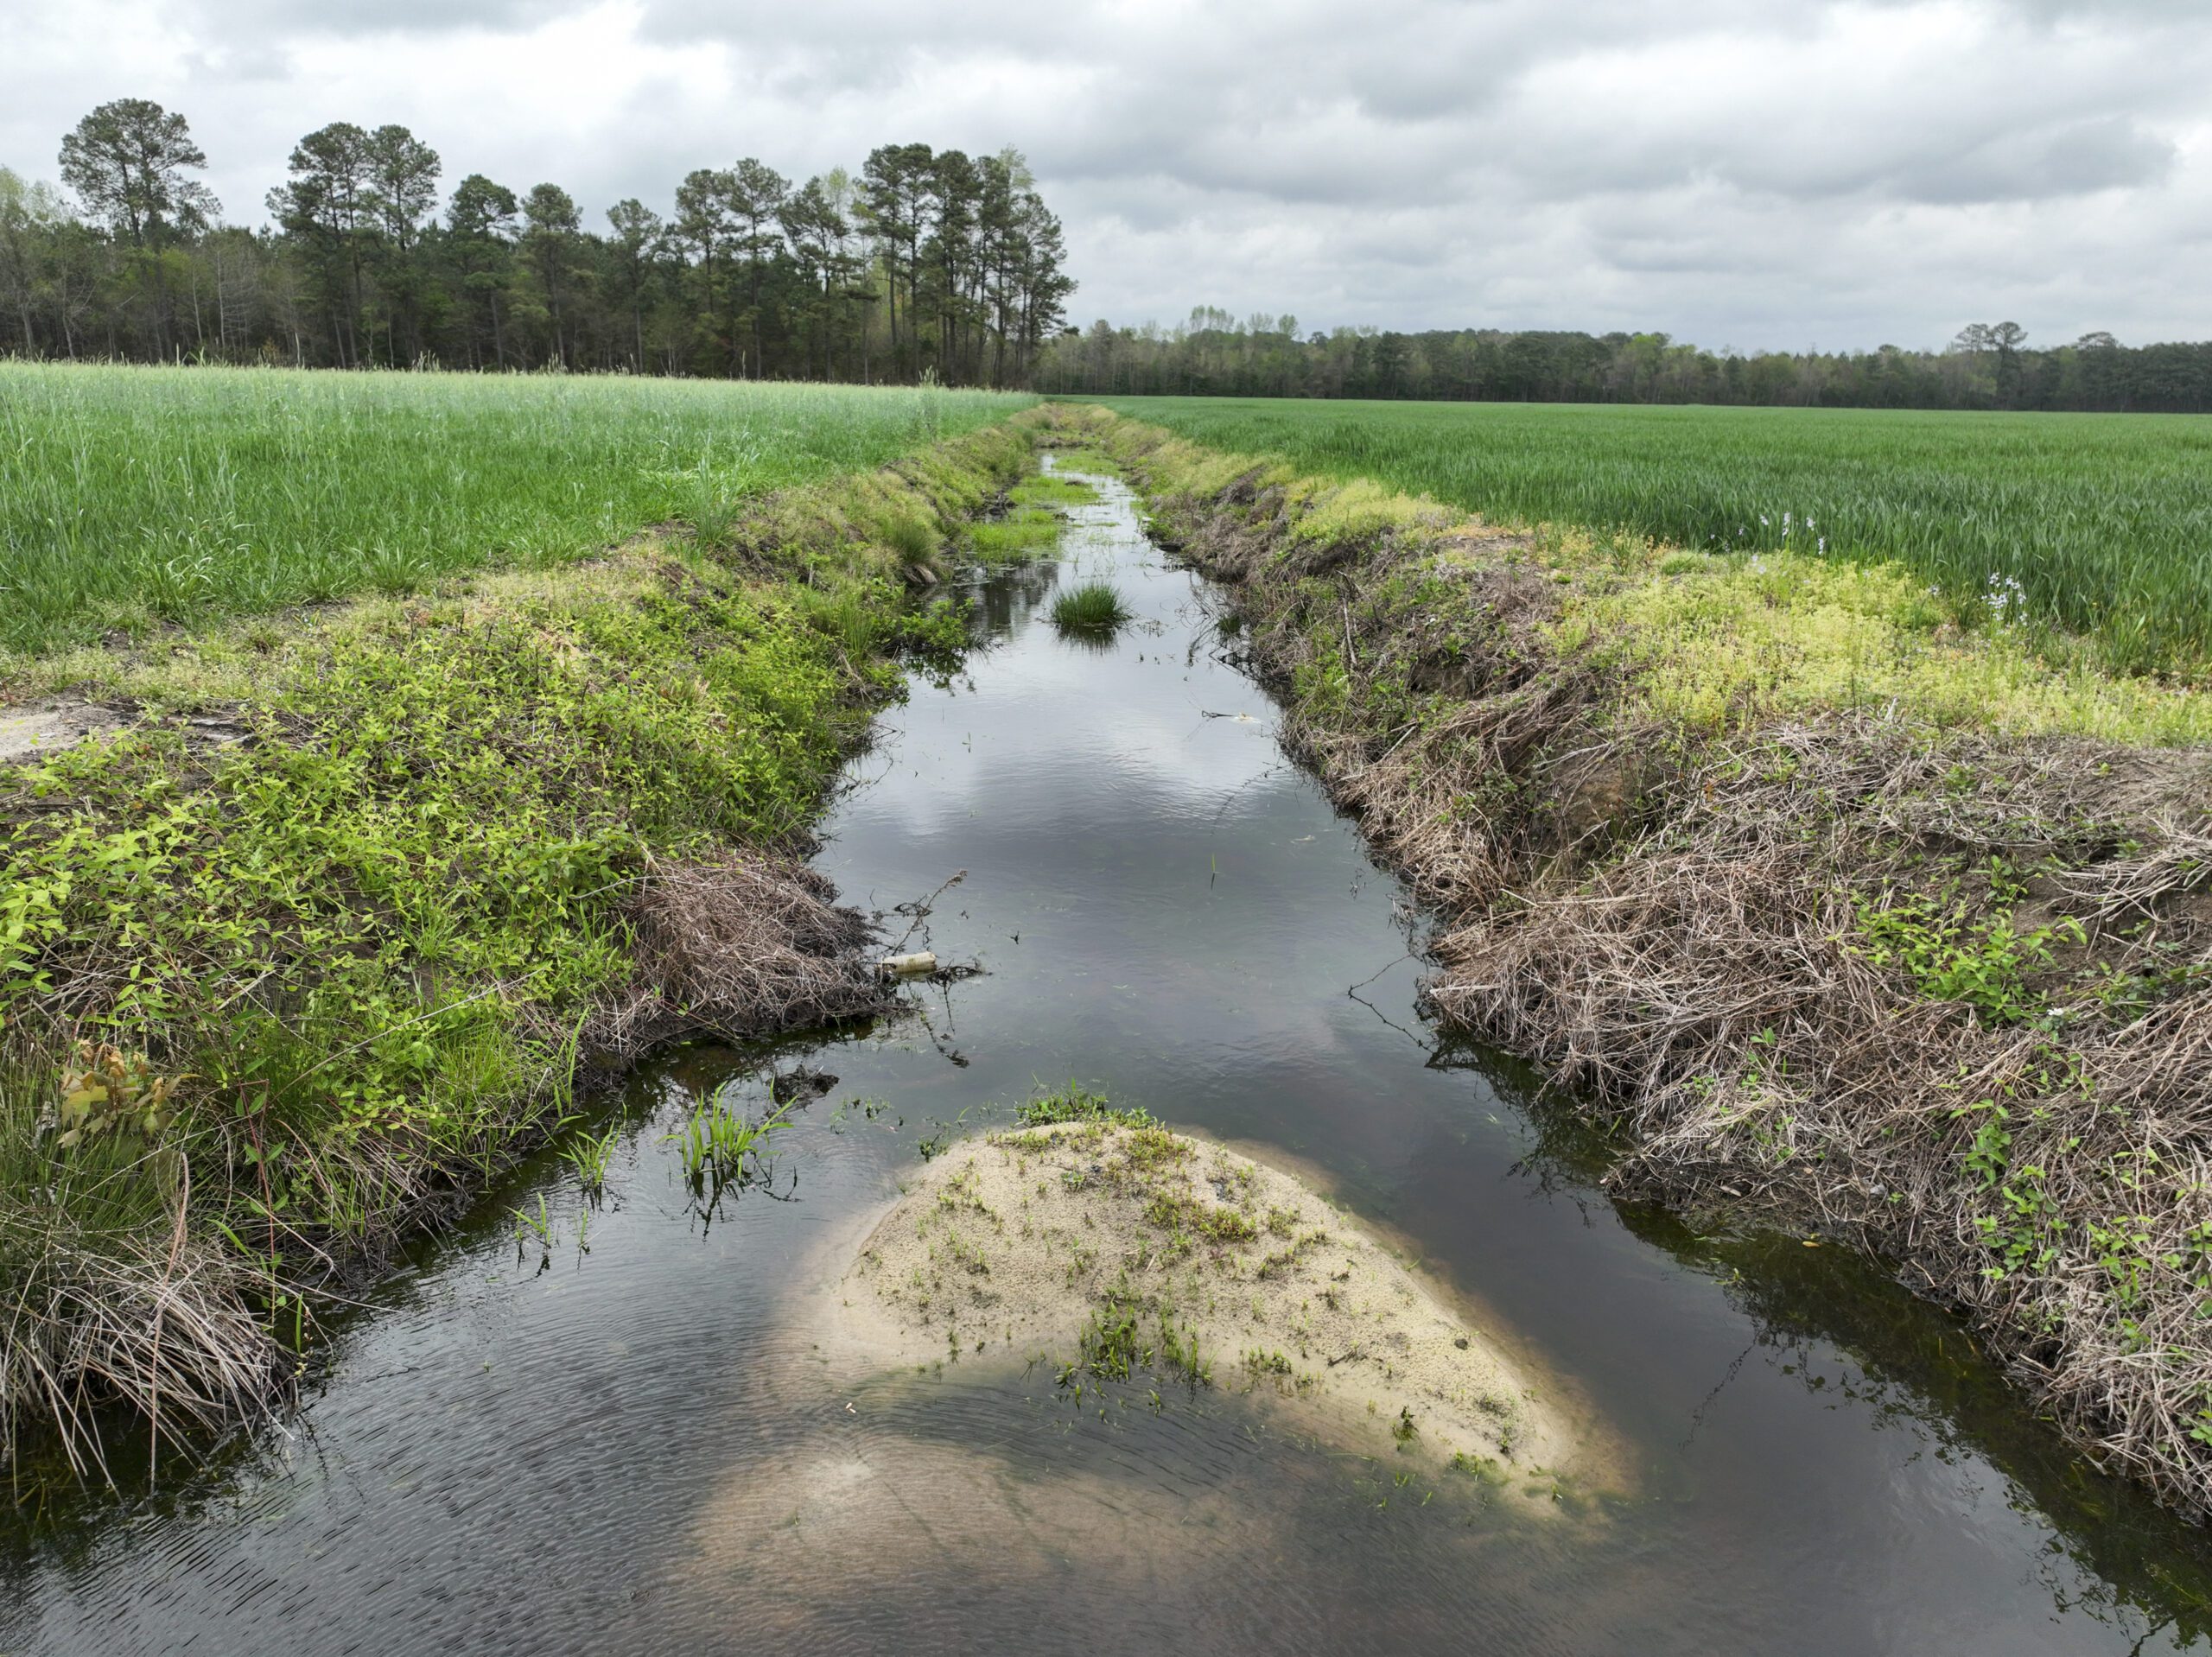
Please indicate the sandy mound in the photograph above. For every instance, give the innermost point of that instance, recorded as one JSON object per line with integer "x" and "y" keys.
{"x": 1120, "y": 1252}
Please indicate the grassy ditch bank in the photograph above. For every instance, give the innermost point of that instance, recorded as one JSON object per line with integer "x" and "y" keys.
{"x": 2088, "y": 528}
{"x": 1849, "y": 918}
{"x": 317, "y": 934}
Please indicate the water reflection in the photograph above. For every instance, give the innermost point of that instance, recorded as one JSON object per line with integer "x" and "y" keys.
{"x": 1845, "y": 1332}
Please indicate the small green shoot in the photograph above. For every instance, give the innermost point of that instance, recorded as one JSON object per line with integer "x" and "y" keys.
{"x": 590, "y": 1156}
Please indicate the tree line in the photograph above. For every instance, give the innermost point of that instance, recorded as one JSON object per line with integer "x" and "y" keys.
{"x": 925, "y": 261}
{"x": 1986, "y": 366}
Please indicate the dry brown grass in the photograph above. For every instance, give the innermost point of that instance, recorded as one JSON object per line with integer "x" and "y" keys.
{"x": 166, "y": 1333}
{"x": 745, "y": 945}
{"x": 108, "y": 1298}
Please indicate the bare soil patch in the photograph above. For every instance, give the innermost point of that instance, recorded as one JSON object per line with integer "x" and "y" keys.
{"x": 31, "y": 733}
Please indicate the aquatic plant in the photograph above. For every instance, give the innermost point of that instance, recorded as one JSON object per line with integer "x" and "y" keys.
{"x": 1031, "y": 521}
{"x": 1179, "y": 1351}
{"x": 536, "y": 1227}
{"x": 589, "y": 1155}
{"x": 719, "y": 1145}
{"x": 1094, "y": 607}
{"x": 1108, "y": 1342}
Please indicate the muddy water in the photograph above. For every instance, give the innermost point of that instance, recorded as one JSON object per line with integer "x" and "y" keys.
{"x": 627, "y": 1442}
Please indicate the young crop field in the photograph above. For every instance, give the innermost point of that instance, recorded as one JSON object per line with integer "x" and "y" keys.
{"x": 2094, "y": 525}
{"x": 133, "y": 495}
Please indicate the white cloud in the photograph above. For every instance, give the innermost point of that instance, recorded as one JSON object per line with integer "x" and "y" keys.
{"x": 1749, "y": 172}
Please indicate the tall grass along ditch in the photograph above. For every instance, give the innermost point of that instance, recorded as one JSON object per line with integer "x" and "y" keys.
{"x": 1844, "y": 920}
{"x": 312, "y": 943}
{"x": 2090, "y": 530}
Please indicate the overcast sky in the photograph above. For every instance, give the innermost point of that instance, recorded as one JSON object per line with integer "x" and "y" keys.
{"x": 1760, "y": 173}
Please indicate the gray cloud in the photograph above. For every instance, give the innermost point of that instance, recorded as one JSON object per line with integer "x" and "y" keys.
{"x": 1749, "y": 172}
{"x": 353, "y": 19}
{"x": 2105, "y": 153}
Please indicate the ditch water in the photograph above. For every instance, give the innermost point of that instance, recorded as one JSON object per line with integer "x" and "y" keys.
{"x": 627, "y": 1442}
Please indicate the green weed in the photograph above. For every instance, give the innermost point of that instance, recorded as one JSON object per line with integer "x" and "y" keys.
{"x": 1079, "y": 1104}
{"x": 1094, "y": 607}
{"x": 1949, "y": 958}
{"x": 1177, "y": 1214}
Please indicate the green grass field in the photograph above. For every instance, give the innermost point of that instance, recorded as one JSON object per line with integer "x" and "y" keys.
{"x": 2097, "y": 525}
{"x": 135, "y": 495}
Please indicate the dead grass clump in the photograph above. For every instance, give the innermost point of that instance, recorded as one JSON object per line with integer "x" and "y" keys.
{"x": 108, "y": 1298}
{"x": 743, "y": 945}
{"x": 161, "y": 1326}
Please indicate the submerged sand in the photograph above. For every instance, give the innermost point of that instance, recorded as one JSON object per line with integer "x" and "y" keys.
{"x": 1122, "y": 1253}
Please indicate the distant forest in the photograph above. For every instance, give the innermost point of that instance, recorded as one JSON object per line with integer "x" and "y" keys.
{"x": 1986, "y": 366}
{"x": 925, "y": 261}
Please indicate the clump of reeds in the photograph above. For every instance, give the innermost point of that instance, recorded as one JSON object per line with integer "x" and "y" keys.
{"x": 720, "y": 1145}
{"x": 1095, "y": 607}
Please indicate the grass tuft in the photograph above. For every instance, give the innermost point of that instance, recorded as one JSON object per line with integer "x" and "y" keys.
{"x": 1094, "y": 607}
{"x": 1077, "y": 1104}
